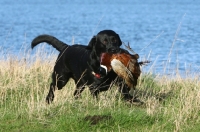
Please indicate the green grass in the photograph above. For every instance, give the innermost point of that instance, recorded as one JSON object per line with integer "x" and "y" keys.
{"x": 170, "y": 103}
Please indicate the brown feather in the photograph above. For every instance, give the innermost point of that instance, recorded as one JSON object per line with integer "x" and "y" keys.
{"x": 124, "y": 65}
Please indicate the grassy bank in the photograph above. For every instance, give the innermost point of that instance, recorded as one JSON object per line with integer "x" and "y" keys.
{"x": 171, "y": 103}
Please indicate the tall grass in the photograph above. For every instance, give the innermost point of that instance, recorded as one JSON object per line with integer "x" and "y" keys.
{"x": 170, "y": 103}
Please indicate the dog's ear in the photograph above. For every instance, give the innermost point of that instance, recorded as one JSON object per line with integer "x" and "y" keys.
{"x": 120, "y": 42}
{"x": 91, "y": 43}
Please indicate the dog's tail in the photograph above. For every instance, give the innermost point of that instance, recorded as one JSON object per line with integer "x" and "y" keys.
{"x": 59, "y": 45}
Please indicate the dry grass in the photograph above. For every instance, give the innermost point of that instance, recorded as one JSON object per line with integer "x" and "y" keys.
{"x": 171, "y": 103}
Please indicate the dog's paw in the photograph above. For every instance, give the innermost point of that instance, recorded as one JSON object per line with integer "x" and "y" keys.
{"x": 135, "y": 101}
{"x": 49, "y": 99}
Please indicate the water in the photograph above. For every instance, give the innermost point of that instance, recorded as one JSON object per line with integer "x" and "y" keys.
{"x": 166, "y": 33}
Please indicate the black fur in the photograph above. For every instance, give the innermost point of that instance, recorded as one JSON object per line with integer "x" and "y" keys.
{"x": 82, "y": 63}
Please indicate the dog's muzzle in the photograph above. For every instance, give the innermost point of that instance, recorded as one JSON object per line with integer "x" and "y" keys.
{"x": 113, "y": 50}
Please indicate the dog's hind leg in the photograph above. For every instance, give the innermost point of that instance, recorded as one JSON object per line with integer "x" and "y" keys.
{"x": 58, "y": 82}
{"x": 50, "y": 95}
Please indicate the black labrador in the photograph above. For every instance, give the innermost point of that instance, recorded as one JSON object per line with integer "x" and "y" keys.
{"x": 82, "y": 63}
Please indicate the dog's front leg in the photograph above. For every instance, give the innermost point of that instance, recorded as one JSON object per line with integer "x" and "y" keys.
{"x": 124, "y": 90}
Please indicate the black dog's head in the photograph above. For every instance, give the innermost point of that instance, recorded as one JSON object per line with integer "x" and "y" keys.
{"x": 105, "y": 41}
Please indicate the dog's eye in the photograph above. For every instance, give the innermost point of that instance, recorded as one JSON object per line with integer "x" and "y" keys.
{"x": 114, "y": 40}
{"x": 105, "y": 42}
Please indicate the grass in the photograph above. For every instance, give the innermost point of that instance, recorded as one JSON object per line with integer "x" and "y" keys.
{"x": 171, "y": 103}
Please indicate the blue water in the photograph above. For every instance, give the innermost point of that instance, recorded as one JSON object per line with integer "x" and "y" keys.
{"x": 164, "y": 32}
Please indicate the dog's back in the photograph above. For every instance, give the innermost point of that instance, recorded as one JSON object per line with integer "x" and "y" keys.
{"x": 74, "y": 59}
